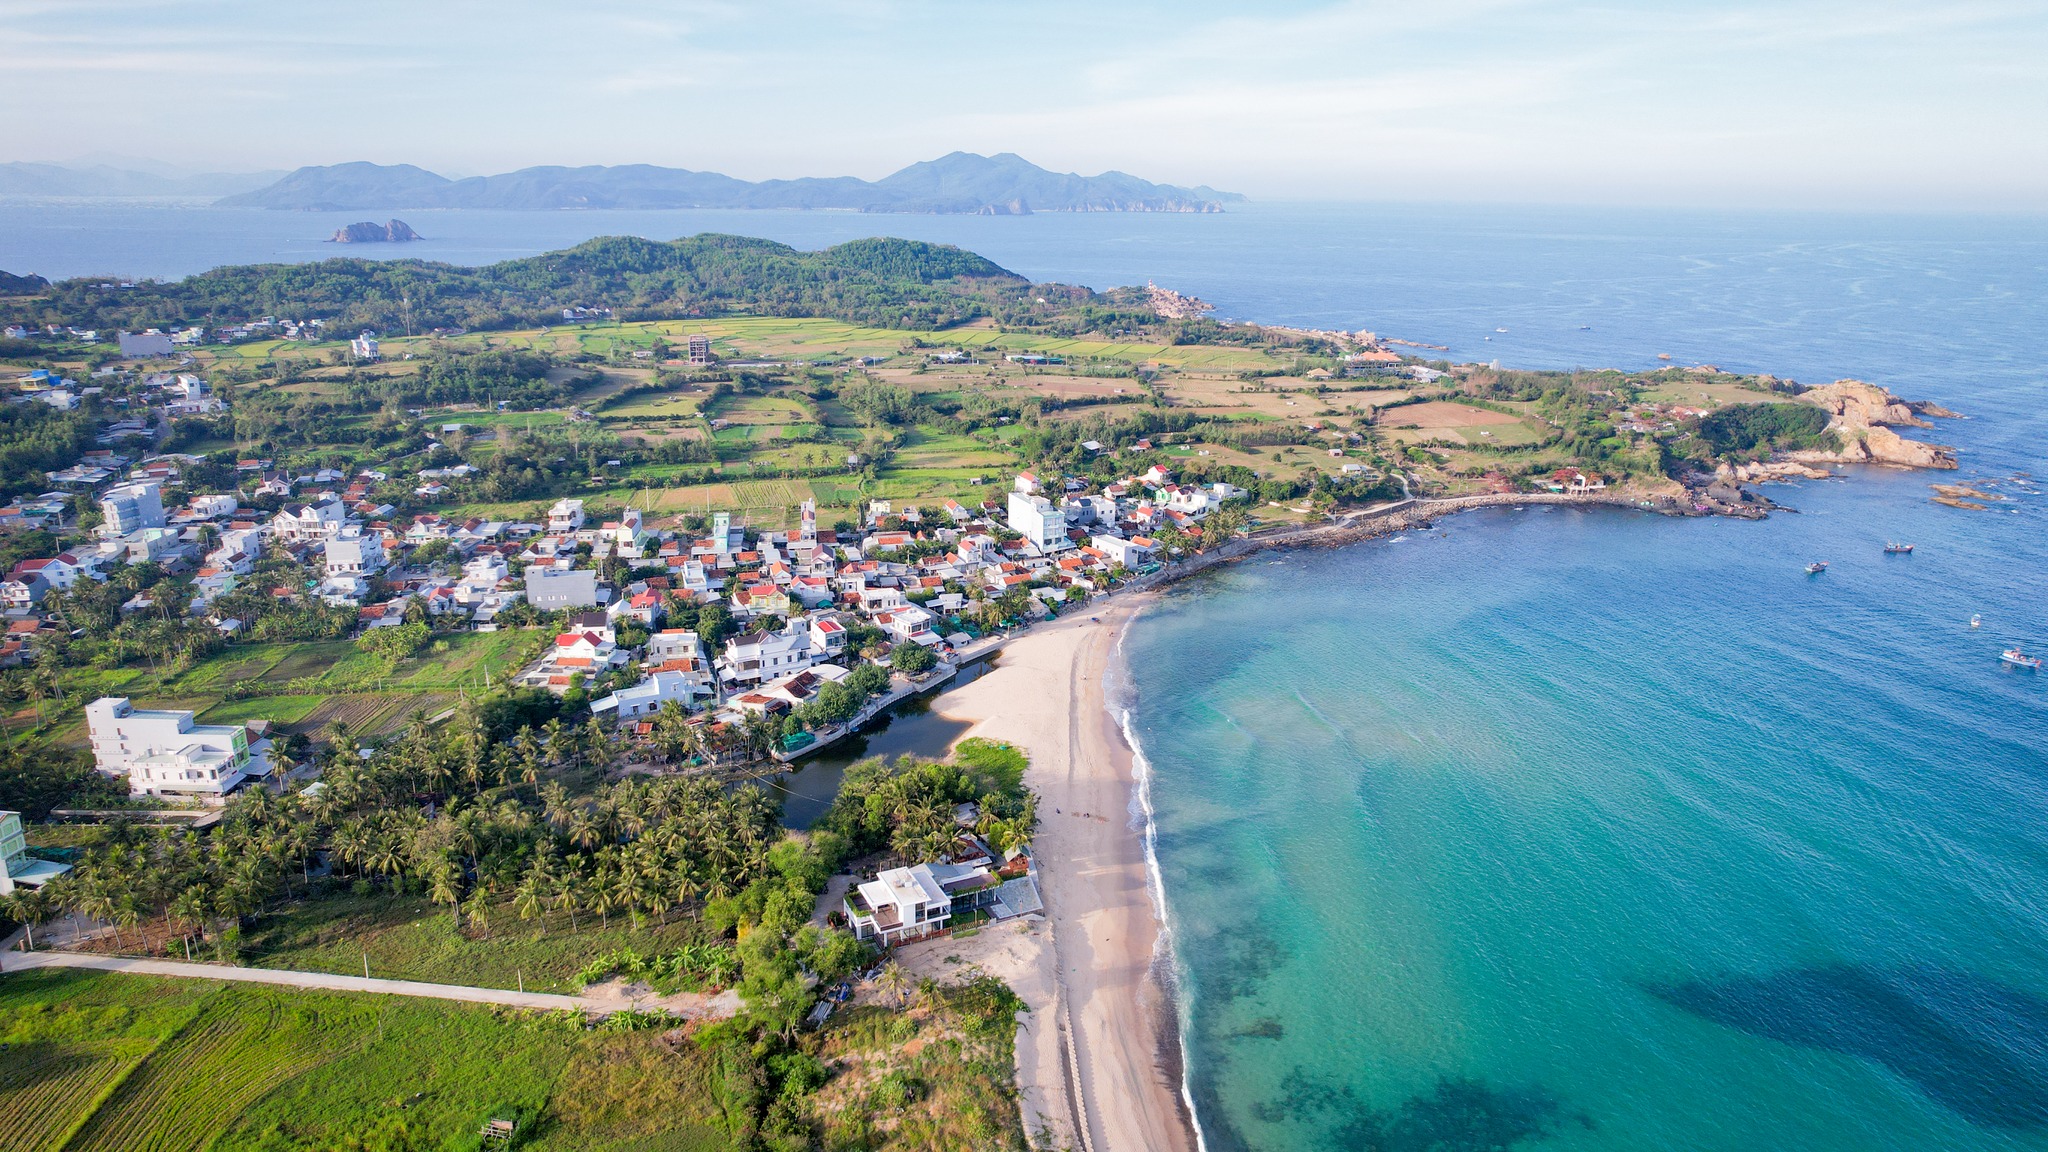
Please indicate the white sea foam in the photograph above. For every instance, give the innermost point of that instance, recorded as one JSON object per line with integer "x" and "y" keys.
{"x": 1119, "y": 698}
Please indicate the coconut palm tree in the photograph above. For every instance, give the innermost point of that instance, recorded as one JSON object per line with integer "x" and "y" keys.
{"x": 894, "y": 983}
{"x": 444, "y": 888}
{"x": 477, "y": 910}
{"x": 527, "y": 899}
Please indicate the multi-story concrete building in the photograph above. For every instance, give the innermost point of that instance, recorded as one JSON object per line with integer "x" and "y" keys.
{"x": 131, "y": 508}
{"x": 1039, "y": 521}
{"x": 161, "y": 752}
{"x": 355, "y": 553}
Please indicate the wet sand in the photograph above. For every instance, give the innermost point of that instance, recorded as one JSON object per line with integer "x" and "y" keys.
{"x": 1098, "y": 1060}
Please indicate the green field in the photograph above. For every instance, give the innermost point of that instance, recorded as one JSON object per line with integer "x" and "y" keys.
{"x": 407, "y": 938}
{"x": 97, "y": 1061}
{"x": 479, "y": 418}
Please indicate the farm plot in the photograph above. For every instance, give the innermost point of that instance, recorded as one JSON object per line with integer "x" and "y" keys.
{"x": 47, "y": 1089}
{"x": 285, "y": 711}
{"x": 1456, "y": 423}
{"x": 193, "y": 1086}
{"x": 922, "y": 449}
{"x": 363, "y": 713}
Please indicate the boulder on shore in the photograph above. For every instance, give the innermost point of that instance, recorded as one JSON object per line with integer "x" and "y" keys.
{"x": 371, "y": 232}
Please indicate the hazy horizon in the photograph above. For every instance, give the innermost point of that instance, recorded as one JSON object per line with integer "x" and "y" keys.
{"x": 1911, "y": 105}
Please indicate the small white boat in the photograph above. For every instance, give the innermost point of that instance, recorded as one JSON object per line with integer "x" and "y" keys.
{"x": 2019, "y": 659}
{"x": 1976, "y": 621}
{"x": 1816, "y": 568}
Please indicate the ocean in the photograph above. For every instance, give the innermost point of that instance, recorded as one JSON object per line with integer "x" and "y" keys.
{"x": 1571, "y": 829}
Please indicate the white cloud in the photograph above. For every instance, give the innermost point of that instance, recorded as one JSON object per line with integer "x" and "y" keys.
{"x": 1906, "y": 101}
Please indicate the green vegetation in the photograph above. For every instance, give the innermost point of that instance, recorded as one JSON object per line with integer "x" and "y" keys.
{"x": 1755, "y": 429}
{"x": 106, "y": 1061}
{"x": 866, "y": 281}
{"x": 906, "y": 806}
{"x": 124, "y": 1062}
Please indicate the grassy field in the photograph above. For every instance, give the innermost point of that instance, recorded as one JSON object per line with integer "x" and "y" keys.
{"x": 108, "y": 1062}
{"x": 410, "y": 939}
{"x": 100, "y": 1061}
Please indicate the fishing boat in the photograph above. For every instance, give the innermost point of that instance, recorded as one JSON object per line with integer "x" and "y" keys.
{"x": 1895, "y": 549}
{"x": 1976, "y": 621}
{"x": 1816, "y": 568}
{"x": 2019, "y": 659}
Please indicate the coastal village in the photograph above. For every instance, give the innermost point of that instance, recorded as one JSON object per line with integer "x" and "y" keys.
{"x": 705, "y": 554}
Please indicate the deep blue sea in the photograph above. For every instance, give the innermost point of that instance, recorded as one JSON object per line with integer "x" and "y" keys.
{"x": 1554, "y": 829}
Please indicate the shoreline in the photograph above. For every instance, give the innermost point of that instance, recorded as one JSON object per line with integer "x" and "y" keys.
{"x": 1099, "y": 1062}
{"x": 1101, "y": 1057}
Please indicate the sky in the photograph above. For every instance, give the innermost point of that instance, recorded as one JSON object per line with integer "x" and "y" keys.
{"x": 1941, "y": 104}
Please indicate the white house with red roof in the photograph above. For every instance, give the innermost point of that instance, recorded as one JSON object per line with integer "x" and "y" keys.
{"x": 585, "y": 653}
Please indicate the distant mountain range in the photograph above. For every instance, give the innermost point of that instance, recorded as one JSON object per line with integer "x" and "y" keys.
{"x": 24, "y": 179}
{"x": 962, "y": 182}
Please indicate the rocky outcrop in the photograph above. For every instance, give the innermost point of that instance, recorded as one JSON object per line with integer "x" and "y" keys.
{"x": 1862, "y": 417}
{"x": 1764, "y": 473}
{"x": 371, "y": 232}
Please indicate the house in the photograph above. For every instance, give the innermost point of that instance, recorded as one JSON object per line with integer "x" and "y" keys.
{"x": 215, "y": 506}
{"x": 761, "y": 599}
{"x": 364, "y": 347}
{"x": 759, "y": 656}
{"x": 680, "y": 651}
{"x": 17, "y": 867}
{"x": 647, "y": 697}
{"x": 908, "y": 903}
{"x": 209, "y": 584}
{"x": 241, "y": 545}
{"x": 309, "y": 523}
{"x": 549, "y": 590}
{"x": 644, "y": 607}
{"x": 587, "y": 653}
{"x": 344, "y": 591}
{"x": 163, "y": 753}
{"x": 19, "y": 595}
{"x": 355, "y": 553}
{"x": 828, "y": 637}
{"x": 1131, "y": 553}
{"x": 59, "y": 571}
{"x": 148, "y": 545}
{"x": 565, "y": 517}
{"x": 908, "y": 623}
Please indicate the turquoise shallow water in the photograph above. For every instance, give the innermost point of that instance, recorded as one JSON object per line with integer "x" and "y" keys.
{"x": 1598, "y": 830}
{"x": 1595, "y": 830}
{"x": 1606, "y": 831}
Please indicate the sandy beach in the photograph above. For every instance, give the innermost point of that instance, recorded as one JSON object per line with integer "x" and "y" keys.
{"x": 1098, "y": 1062}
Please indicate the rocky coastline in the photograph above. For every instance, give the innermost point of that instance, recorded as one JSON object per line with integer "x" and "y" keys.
{"x": 1863, "y": 416}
